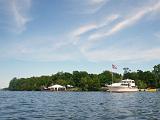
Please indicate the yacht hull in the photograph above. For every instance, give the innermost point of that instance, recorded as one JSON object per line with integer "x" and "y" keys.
{"x": 122, "y": 89}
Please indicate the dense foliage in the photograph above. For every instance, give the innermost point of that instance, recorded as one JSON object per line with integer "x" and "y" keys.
{"x": 81, "y": 80}
{"x": 144, "y": 79}
{"x": 84, "y": 81}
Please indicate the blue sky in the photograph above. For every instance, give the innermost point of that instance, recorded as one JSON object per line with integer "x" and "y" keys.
{"x": 42, "y": 37}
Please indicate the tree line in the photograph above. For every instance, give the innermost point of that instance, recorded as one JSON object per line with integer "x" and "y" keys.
{"x": 144, "y": 79}
{"x": 85, "y": 81}
{"x": 81, "y": 80}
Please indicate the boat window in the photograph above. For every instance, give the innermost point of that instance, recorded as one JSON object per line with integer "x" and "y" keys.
{"x": 124, "y": 84}
{"x": 132, "y": 81}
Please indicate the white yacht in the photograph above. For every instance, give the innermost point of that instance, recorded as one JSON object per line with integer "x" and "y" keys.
{"x": 126, "y": 85}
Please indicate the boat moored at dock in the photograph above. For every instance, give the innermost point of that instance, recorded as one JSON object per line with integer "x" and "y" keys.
{"x": 126, "y": 85}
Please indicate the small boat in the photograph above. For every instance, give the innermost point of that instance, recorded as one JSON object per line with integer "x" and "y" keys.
{"x": 126, "y": 85}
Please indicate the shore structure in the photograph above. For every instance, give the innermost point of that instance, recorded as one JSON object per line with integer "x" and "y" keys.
{"x": 57, "y": 88}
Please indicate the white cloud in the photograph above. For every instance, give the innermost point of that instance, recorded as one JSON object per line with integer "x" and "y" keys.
{"x": 76, "y": 34}
{"x": 88, "y": 6}
{"x": 83, "y": 29}
{"x": 126, "y": 22}
{"x": 95, "y": 5}
{"x": 112, "y": 53}
{"x": 120, "y": 54}
{"x": 40, "y": 49}
{"x": 16, "y": 14}
{"x": 19, "y": 10}
{"x": 108, "y": 20}
{"x": 95, "y": 2}
{"x": 54, "y": 50}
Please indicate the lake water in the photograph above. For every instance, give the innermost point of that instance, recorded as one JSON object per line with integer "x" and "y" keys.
{"x": 79, "y": 106}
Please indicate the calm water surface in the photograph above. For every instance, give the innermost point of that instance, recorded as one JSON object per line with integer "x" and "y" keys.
{"x": 79, "y": 106}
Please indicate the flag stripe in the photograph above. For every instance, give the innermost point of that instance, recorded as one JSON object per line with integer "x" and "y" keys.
{"x": 114, "y": 66}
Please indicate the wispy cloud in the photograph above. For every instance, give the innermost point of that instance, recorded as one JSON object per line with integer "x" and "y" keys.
{"x": 88, "y": 6}
{"x": 126, "y": 22}
{"x": 96, "y": 5}
{"x": 19, "y": 10}
{"x": 121, "y": 54}
{"x": 93, "y": 26}
{"x": 44, "y": 49}
{"x": 83, "y": 29}
{"x": 64, "y": 48}
{"x": 95, "y": 2}
{"x": 17, "y": 14}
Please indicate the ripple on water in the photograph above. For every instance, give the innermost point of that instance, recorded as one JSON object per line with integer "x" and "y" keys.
{"x": 79, "y": 105}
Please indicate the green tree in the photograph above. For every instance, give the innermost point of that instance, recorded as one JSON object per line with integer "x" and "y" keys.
{"x": 156, "y": 73}
{"x": 105, "y": 78}
{"x": 126, "y": 74}
{"x": 141, "y": 84}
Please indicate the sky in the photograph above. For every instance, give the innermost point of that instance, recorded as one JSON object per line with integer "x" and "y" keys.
{"x": 43, "y": 37}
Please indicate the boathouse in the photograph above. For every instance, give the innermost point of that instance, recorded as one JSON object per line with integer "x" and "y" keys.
{"x": 57, "y": 88}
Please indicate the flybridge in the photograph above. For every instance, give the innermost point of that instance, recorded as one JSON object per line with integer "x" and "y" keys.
{"x": 128, "y": 82}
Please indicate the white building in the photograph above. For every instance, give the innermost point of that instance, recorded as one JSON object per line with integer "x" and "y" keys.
{"x": 57, "y": 88}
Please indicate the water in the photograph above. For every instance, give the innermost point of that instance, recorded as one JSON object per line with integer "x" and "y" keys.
{"x": 79, "y": 106}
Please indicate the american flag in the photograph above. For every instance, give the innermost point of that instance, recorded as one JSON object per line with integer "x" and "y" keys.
{"x": 114, "y": 66}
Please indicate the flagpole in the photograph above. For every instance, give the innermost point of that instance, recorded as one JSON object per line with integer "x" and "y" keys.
{"x": 112, "y": 74}
{"x": 113, "y": 67}
{"x": 112, "y": 77}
